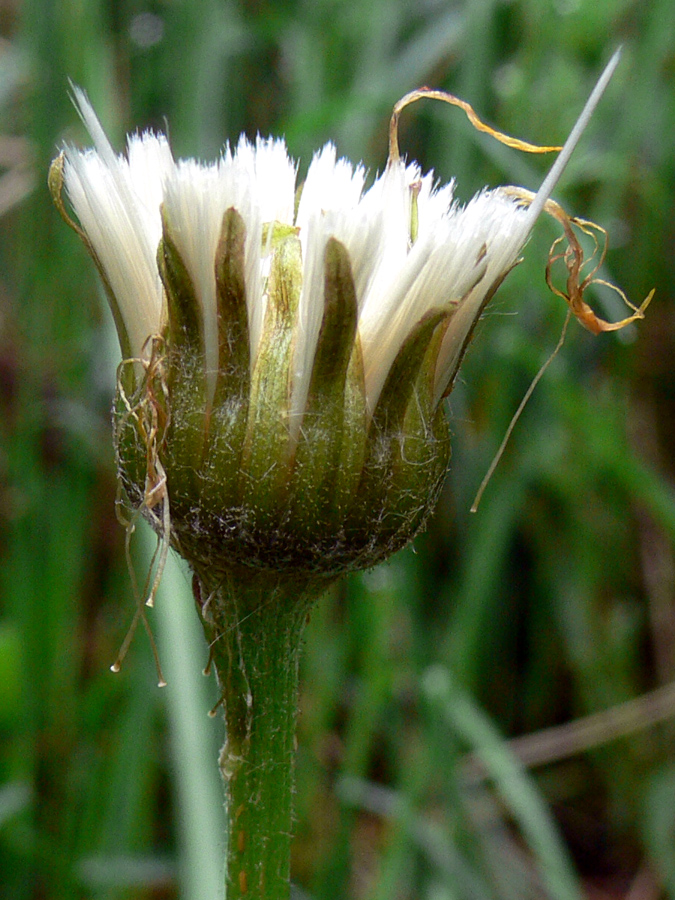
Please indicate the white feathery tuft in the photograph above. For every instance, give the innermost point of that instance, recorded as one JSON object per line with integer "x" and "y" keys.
{"x": 116, "y": 202}
{"x": 450, "y": 260}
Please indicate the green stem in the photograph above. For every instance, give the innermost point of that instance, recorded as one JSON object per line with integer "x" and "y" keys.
{"x": 255, "y": 631}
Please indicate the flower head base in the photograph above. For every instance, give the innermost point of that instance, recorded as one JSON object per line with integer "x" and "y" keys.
{"x": 279, "y": 407}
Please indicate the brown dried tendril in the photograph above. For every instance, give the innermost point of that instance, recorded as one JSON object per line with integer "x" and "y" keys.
{"x": 574, "y": 261}
{"x": 151, "y": 420}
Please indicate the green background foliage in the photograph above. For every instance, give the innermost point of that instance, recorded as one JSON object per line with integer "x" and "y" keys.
{"x": 427, "y": 765}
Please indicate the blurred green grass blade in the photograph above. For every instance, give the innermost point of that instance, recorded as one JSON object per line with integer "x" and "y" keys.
{"x": 199, "y": 793}
{"x": 108, "y": 876}
{"x": 510, "y": 779}
{"x": 425, "y": 50}
{"x": 659, "y": 824}
{"x": 376, "y": 601}
{"x": 377, "y": 598}
{"x": 112, "y": 818}
{"x": 205, "y": 40}
{"x": 14, "y": 798}
{"x": 427, "y": 835}
{"x": 489, "y": 537}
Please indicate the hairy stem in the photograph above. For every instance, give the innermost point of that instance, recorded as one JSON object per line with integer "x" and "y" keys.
{"x": 255, "y": 634}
